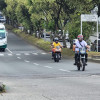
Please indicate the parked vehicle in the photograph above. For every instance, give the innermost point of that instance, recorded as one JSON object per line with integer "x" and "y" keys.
{"x": 3, "y": 40}
{"x": 2, "y": 19}
{"x": 2, "y": 26}
{"x": 57, "y": 54}
{"x": 74, "y": 41}
{"x": 94, "y": 46}
{"x": 81, "y": 62}
{"x": 66, "y": 37}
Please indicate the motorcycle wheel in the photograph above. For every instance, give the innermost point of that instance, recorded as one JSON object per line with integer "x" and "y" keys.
{"x": 78, "y": 65}
{"x": 83, "y": 66}
{"x": 56, "y": 58}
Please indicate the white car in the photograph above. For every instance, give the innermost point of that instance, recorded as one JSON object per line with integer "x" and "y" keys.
{"x": 74, "y": 41}
{"x": 2, "y": 26}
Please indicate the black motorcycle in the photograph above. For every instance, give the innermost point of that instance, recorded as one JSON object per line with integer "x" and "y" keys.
{"x": 57, "y": 54}
{"x": 81, "y": 60}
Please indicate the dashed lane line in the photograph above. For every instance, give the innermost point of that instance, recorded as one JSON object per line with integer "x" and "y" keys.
{"x": 1, "y": 54}
{"x": 10, "y": 55}
{"x": 26, "y": 54}
{"x": 47, "y": 67}
{"x": 19, "y": 57}
{"x": 18, "y": 54}
{"x": 26, "y": 61}
{"x": 36, "y": 64}
{"x": 44, "y": 53}
{"x": 64, "y": 70}
{"x": 35, "y": 53}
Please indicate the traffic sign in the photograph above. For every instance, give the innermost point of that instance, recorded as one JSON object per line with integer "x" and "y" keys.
{"x": 89, "y": 17}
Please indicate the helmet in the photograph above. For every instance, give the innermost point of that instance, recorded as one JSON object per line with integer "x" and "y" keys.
{"x": 80, "y": 37}
{"x": 56, "y": 39}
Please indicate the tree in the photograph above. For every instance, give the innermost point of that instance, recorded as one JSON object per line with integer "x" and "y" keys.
{"x": 2, "y": 5}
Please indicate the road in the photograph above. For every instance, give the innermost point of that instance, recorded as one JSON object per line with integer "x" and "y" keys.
{"x": 30, "y": 74}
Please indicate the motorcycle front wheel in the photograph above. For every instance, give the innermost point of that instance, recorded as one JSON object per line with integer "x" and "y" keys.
{"x": 83, "y": 66}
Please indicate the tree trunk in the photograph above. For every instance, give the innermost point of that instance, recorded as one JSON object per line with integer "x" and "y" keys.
{"x": 64, "y": 41}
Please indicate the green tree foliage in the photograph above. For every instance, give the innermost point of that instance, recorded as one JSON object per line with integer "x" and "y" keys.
{"x": 2, "y": 5}
{"x": 54, "y": 15}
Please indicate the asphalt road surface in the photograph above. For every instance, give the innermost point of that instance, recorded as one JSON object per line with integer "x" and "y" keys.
{"x": 30, "y": 74}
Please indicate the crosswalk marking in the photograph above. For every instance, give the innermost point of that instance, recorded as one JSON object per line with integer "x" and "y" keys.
{"x": 64, "y": 70}
{"x": 20, "y": 54}
{"x": 9, "y": 54}
{"x": 47, "y": 67}
{"x": 27, "y": 61}
{"x": 1, "y": 54}
{"x": 35, "y": 53}
{"x": 44, "y": 53}
{"x": 35, "y": 64}
{"x": 19, "y": 57}
{"x": 26, "y": 54}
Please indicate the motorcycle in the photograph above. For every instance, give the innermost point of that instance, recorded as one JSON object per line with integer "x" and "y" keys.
{"x": 57, "y": 53}
{"x": 81, "y": 62}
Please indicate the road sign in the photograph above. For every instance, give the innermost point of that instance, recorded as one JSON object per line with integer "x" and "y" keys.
{"x": 89, "y": 17}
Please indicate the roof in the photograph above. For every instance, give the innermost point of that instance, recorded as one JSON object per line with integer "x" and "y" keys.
{"x": 2, "y": 25}
{"x": 2, "y": 31}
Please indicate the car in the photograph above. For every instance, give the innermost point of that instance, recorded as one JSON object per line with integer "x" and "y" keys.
{"x": 66, "y": 37}
{"x": 3, "y": 40}
{"x": 74, "y": 41}
{"x": 2, "y": 19}
{"x": 2, "y": 26}
{"x": 94, "y": 46}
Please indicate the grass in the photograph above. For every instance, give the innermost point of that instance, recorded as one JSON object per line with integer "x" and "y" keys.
{"x": 2, "y": 88}
{"x": 90, "y": 54}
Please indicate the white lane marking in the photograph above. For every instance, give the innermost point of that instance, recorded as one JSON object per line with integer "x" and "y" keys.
{"x": 44, "y": 53}
{"x": 64, "y": 70}
{"x": 35, "y": 53}
{"x": 47, "y": 67}
{"x": 36, "y": 64}
{"x": 18, "y": 54}
{"x": 26, "y": 54}
{"x": 27, "y": 61}
{"x": 9, "y": 54}
{"x": 9, "y": 50}
{"x": 1, "y": 54}
{"x": 19, "y": 57}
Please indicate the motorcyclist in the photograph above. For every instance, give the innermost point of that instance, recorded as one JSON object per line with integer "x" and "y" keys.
{"x": 54, "y": 45}
{"x": 79, "y": 44}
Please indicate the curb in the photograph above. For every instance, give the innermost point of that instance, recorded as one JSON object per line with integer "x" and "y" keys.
{"x": 94, "y": 58}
